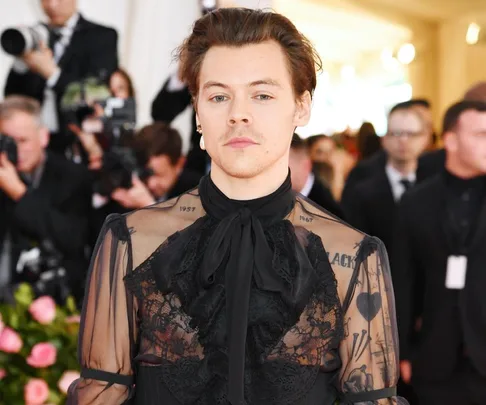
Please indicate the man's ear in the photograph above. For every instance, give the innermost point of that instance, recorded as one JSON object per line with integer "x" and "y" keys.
{"x": 451, "y": 143}
{"x": 44, "y": 136}
{"x": 303, "y": 111}
{"x": 180, "y": 164}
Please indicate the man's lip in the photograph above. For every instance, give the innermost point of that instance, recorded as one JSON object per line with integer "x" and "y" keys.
{"x": 243, "y": 140}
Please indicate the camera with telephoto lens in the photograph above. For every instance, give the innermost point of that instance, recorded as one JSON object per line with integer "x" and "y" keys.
{"x": 18, "y": 40}
{"x": 9, "y": 147}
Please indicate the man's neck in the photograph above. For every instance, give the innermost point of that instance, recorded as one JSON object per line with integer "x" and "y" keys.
{"x": 404, "y": 168}
{"x": 261, "y": 185}
{"x": 459, "y": 170}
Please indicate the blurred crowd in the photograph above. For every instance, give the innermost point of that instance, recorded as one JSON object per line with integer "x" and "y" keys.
{"x": 71, "y": 153}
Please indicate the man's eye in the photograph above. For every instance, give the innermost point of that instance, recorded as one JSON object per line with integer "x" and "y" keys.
{"x": 218, "y": 99}
{"x": 264, "y": 97}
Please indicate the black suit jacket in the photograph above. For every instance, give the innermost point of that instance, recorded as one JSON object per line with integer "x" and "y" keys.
{"x": 92, "y": 51}
{"x": 363, "y": 170}
{"x": 370, "y": 207}
{"x": 429, "y": 164}
{"x": 166, "y": 106}
{"x": 56, "y": 210}
{"x": 322, "y": 196}
{"x": 453, "y": 321}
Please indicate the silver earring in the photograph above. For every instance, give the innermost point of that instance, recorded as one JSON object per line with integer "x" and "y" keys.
{"x": 199, "y": 129}
{"x": 201, "y": 143}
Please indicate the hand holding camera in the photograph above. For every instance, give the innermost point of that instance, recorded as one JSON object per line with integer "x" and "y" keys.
{"x": 138, "y": 196}
{"x": 10, "y": 181}
{"x": 41, "y": 61}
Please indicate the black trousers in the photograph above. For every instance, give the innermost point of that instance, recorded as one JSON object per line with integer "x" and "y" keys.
{"x": 465, "y": 387}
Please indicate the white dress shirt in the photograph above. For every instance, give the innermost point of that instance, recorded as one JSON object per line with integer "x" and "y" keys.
{"x": 308, "y": 185}
{"x": 395, "y": 178}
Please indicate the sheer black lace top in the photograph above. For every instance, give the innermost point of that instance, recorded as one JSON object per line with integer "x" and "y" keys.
{"x": 206, "y": 300}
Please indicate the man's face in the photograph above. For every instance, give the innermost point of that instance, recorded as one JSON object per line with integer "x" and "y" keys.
{"x": 30, "y": 137}
{"x": 59, "y": 11}
{"x": 468, "y": 141}
{"x": 247, "y": 108}
{"x": 165, "y": 175}
{"x": 322, "y": 150}
{"x": 300, "y": 168}
{"x": 407, "y": 137}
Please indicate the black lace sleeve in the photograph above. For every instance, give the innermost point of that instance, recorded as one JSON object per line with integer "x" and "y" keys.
{"x": 107, "y": 330}
{"x": 369, "y": 351}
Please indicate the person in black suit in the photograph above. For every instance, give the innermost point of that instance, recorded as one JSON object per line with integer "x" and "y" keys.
{"x": 173, "y": 99}
{"x": 305, "y": 181}
{"x": 159, "y": 147}
{"x": 77, "y": 49}
{"x": 370, "y": 206}
{"x": 439, "y": 258}
{"x": 44, "y": 202}
{"x": 432, "y": 161}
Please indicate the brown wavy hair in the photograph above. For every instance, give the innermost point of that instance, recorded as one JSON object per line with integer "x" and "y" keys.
{"x": 237, "y": 27}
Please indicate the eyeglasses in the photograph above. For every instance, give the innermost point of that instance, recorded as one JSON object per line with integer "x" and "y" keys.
{"x": 409, "y": 134}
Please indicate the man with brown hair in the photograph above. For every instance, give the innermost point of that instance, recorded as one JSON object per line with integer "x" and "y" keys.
{"x": 240, "y": 292}
{"x": 159, "y": 149}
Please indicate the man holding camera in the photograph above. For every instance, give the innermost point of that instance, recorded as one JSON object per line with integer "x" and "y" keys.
{"x": 159, "y": 148}
{"x": 44, "y": 202}
{"x": 75, "y": 49}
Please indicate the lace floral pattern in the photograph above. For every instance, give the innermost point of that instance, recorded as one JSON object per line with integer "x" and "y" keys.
{"x": 183, "y": 326}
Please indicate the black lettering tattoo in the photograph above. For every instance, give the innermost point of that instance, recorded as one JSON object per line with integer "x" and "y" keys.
{"x": 369, "y": 305}
{"x": 187, "y": 209}
{"x": 306, "y": 219}
{"x": 341, "y": 259}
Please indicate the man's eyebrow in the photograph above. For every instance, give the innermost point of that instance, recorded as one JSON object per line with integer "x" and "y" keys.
{"x": 267, "y": 82}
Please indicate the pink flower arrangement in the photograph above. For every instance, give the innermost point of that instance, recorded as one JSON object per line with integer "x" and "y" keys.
{"x": 43, "y": 310}
{"x": 66, "y": 380}
{"x": 38, "y": 348}
{"x": 10, "y": 341}
{"x": 36, "y": 392}
{"x": 42, "y": 355}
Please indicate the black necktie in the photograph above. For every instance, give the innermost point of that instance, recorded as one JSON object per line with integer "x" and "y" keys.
{"x": 240, "y": 235}
{"x": 54, "y": 37}
{"x": 407, "y": 184}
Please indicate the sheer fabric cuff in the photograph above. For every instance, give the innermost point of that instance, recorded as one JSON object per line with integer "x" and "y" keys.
{"x": 358, "y": 397}
{"x": 112, "y": 378}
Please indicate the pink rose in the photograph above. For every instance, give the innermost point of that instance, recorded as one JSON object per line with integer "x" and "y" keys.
{"x": 42, "y": 355}
{"x": 36, "y": 392}
{"x": 10, "y": 341}
{"x": 2, "y": 325}
{"x": 3, "y": 374}
{"x": 66, "y": 380}
{"x": 43, "y": 310}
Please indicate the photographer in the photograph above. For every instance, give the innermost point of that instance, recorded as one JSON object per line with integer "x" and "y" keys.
{"x": 159, "y": 148}
{"x": 75, "y": 49}
{"x": 44, "y": 203}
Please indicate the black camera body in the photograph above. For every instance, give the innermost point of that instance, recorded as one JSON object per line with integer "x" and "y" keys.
{"x": 9, "y": 147}
{"x": 119, "y": 164}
